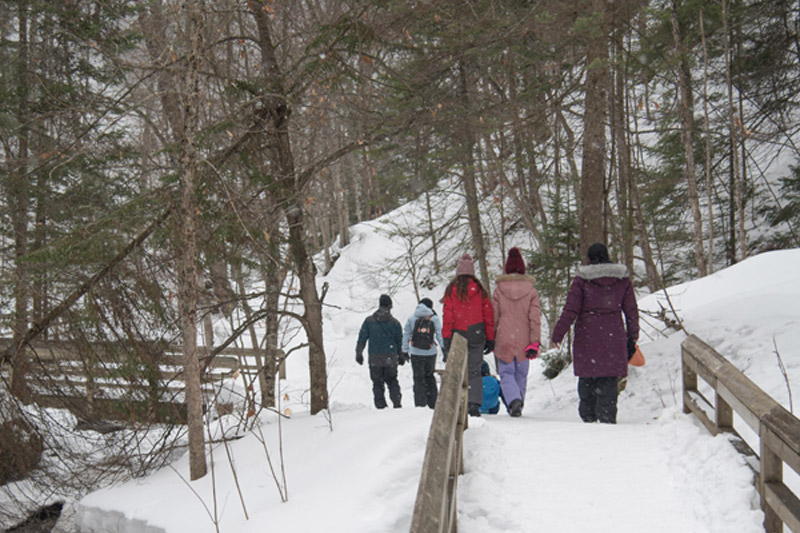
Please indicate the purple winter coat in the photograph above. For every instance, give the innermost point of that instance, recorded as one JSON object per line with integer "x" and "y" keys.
{"x": 597, "y": 297}
{"x": 516, "y": 316}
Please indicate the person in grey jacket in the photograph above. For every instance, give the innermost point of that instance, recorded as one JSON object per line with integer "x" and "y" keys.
{"x": 423, "y": 356}
{"x": 384, "y": 334}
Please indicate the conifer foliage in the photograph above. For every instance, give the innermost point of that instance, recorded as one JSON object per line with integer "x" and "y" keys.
{"x": 169, "y": 164}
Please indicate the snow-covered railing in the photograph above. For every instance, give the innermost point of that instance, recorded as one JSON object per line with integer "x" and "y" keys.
{"x": 116, "y": 381}
{"x": 777, "y": 428}
{"x": 435, "y": 510}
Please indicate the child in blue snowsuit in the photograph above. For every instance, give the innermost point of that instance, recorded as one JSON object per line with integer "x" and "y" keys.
{"x": 492, "y": 394}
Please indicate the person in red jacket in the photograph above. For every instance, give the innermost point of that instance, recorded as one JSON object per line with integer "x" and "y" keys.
{"x": 468, "y": 311}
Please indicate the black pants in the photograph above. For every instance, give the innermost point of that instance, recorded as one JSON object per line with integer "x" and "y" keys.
{"x": 476, "y": 340}
{"x": 387, "y": 375}
{"x": 425, "y": 391}
{"x": 598, "y": 399}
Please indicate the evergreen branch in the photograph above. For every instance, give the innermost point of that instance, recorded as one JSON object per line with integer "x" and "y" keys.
{"x": 14, "y": 348}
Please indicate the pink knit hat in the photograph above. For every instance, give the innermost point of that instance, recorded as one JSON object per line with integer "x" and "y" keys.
{"x": 465, "y": 265}
{"x": 515, "y": 263}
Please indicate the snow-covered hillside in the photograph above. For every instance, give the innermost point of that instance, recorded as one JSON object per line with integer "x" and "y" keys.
{"x": 357, "y": 469}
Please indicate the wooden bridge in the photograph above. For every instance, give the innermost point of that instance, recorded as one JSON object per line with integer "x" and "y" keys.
{"x": 778, "y": 433}
{"x": 121, "y": 381}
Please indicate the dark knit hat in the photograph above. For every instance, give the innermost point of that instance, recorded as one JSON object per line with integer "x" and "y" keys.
{"x": 385, "y": 301}
{"x": 485, "y": 368}
{"x": 465, "y": 265}
{"x": 598, "y": 253}
{"x": 427, "y": 303}
{"x": 515, "y": 264}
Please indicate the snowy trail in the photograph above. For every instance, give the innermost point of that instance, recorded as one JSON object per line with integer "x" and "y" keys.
{"x": 531, "y": 474}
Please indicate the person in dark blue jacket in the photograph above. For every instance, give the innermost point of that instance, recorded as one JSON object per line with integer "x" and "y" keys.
{"x": 385, "y": 336}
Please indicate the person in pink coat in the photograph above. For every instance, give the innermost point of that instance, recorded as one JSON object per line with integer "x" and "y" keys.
{"x": 517, "y": 329}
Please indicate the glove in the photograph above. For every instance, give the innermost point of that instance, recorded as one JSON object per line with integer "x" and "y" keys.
{"x": 488, "y": 347}
{"x": 631, "y": 348}
{"x": 446, "y": 348}
{"x": 402, "y": 358}
{"x": 532, "y": 351}
{"x": 359, "y": 358}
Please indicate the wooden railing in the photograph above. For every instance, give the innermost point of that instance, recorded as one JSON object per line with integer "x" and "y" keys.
{"x": 435, "y": 510}
{"x": 777, "y": 429}
{"x": 115, "y": 381}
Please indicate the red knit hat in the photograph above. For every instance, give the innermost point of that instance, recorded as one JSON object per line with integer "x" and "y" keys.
{"x": 514, "y": 263}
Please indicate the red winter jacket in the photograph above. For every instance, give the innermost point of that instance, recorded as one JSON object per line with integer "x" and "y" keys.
{"x": 460, "y": 315}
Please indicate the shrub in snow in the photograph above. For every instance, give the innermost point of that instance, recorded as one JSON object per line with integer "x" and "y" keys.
{"x": 20, "y": 449}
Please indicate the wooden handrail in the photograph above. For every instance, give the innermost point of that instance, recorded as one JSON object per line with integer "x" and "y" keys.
{"x": 103, "y": 380}
{"x": 435, "y": 510}
{"x": 777, "y": 428}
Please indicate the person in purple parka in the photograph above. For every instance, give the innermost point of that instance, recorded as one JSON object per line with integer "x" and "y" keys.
{"x": 600, "y": 294}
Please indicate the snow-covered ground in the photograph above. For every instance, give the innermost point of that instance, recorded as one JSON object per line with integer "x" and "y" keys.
{"x": 356, "y": 469}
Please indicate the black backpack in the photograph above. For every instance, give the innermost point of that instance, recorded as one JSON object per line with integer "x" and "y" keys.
{"x": 422, "y": 336}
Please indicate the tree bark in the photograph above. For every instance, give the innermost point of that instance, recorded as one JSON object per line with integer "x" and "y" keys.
{"x": 20, "y": 201}
{"x": 187, "y": 252}
{"x": 592, "y": 194}
{"x": 419, "y": 157}
{"x": 289, "y": 190}
{"x": 620, "y": 126}
{"x": 741, "y": 237}
{"x": 687, "y": 134}
{"x": 468, "y": 179}
{"x": 707, "y": 128}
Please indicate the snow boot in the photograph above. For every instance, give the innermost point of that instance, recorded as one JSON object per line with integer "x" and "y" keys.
{"x": 474, "y": 409}
{"x": 515, "y": 409}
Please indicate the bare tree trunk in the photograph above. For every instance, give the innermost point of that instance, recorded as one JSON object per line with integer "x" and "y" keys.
{"x": 653, "y": 277}
{"x": 326, "y": 231}
{"x": 274, "y": 281}
{"x": 741, "y": 238}
{"x": 687, "y": 134}
{"x": 39, "y": 284}
{"x": 278, "y": 112}
{"x": 707, "y": 128}
{"x": 469, "y": 182}
{"x": 19, "y": 198}
{"x": 313, "y": 306}
{"x": 592, "y": 197}
{"x": 654, "y": 281}
{"x": 342, "y": 208}
{"x": 419, "y": 158}
{"x": 620, "y": 126}
{"x": 188, "y": 249}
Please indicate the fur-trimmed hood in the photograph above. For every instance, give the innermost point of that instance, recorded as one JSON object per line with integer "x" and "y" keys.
{"x": 515, "y": 286}
{"x": 602, "y": 270}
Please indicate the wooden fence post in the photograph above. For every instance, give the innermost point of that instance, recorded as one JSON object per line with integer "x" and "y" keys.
{"x": 435, "y": 508}
{"x": 778, "y": 430}
{"x": 723, "y": 414}
{"x": 689, "y": 381}
{"x": 771, "y": 471}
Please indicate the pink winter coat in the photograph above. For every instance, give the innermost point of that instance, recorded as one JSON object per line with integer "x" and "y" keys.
{"x": 516, "y": 316}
